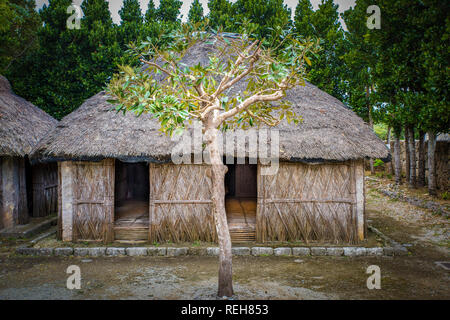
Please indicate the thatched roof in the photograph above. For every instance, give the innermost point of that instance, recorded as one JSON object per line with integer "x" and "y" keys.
{"x": 330, "y": 131}
{"x": 22, "y": 124}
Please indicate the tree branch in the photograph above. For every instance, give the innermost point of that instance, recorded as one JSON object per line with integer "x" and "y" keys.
{"x": 248, "y": 102}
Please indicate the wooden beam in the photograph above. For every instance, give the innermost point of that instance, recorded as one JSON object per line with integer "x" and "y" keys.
{"x": 67, "y": 199}
{"x": 359, "y": 188}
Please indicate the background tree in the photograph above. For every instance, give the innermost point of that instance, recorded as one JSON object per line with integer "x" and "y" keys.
{"x": 131, "y": 27}
{"x": 303, "y": 18}
{"x": 169, "y": 10}
{"x": 98, "y": 49}
{"x": 327, "y": 72}
{"x": 360, "y": 58}
{"x": 267, "y": 16}
{"x": 435, "y": 115}
{"x": 195, "y": 12}
{"x": 52, "y": 77}
{"x": 18, "y": 30}
{"x": 220, "y": 14}
{"x": 200, "y": 92}
{"x": 150, "y": 14}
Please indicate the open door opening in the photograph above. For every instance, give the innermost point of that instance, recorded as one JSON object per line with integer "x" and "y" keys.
{"x": 131, "y": 201}
{"x": 240, "y": 201}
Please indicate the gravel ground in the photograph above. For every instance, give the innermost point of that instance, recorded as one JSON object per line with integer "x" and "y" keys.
{"x": 415, "y": 276}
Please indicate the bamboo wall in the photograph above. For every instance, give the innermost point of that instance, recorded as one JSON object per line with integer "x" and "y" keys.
{"x": 323, "y": 202}
{"x": 87, "y": 200}
{"x": 1, "y": 196}
{"x": 310, "y": 202}
{"x": 180, "y": 203}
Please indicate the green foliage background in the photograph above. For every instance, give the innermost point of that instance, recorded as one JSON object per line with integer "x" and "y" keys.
{"x": 404, "y": 64}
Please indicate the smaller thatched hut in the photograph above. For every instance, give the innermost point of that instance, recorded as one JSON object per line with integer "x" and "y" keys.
{"x": 25, "y": 190}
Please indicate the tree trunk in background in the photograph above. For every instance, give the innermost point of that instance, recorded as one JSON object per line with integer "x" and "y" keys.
{"x": 407, "y": 156}
{"x": 431, "y": 163}
{"x": 412, "y": 157}
{"x": 398, "y": 162}
{"x": 218, "y": 170}
{"x": 389, "y": 168}
{"x": 421, "y": 173}
{"x": 369, "y": 107}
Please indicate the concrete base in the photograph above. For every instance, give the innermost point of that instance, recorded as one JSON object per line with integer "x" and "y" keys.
{"x": 35, "y": 226}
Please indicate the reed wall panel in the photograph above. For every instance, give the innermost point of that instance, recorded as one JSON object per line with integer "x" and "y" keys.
{"x": 308, "y": 202}
{"x": 1, "y": 196}
{"x": 93, "y": 204}
{"x": 180, "y": 203}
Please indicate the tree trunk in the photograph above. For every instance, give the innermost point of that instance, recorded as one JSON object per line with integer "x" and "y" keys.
{"x": 412, "y": 157}
{"x": 388, "y": 135}
{"x": 431, "y": 163}
{"x": 369, "y": 107}
{"x": 407, "y": 156}
{"x": 421, "y": 173}
{"x": 218, "y": 171}
{"x": 390, "y": 166}
{"x": 398, "y": 162}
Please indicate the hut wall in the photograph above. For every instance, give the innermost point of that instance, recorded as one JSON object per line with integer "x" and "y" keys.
{"x": 1, "y": 195}
{"x": 45, "y": 184}
{"x": 180, "y": 203}
{"x": 87, "y": 200}
{"x": 323, "y": 202}
{"x": 13, "y": 192}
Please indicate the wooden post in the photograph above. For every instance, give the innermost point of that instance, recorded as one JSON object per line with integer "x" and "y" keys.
{"x": 67, "y": 198}
{"x": 259, "y": 204}
{"x": 109, "y": 200}
{"x": 59, "y": 232}
{"x": 359, "y": 188}
{"x": 22, "y": 214}
{"x": 151, "y": 205}
{"x": 10, "y": 190}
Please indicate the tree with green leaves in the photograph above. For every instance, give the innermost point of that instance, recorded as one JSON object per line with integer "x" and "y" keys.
{"x": 150, "y": 14}
{"x": 169, "y": 10}
{"x": 221, "y": 14}
{"x": 327, "y": 72}
{"x": 303, "y": 18}
{"x": 132, "y": 23}
{"x": 18, "y": 31}
{"x": 195, "y": 12}
{"x": 69, "y": 65}
{"x": 200, "y": 92}
{"x": 268, "y": 16}
{"x": 53, "y": 79}
{"x": 435, "y": 115}
{"x": 360, "y": 58}
{"x": 98, "y": 48}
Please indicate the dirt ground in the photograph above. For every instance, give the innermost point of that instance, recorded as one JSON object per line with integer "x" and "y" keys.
{"x": 415, "y": 276}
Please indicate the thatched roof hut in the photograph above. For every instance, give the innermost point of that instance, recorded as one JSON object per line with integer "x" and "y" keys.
{"x": 22, "y": 126}
{"x": 317, "y": 192}
{"x": 330, "y": 131}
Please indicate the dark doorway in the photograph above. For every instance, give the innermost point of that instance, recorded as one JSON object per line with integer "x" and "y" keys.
{"x": 240, "y": 201}
{"x": 131, "y": 196}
